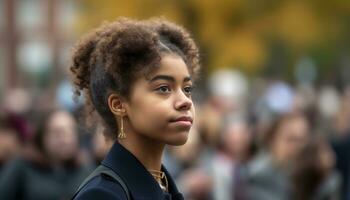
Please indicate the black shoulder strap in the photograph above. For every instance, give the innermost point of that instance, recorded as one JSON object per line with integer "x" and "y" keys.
{"x": 101, "y": 169}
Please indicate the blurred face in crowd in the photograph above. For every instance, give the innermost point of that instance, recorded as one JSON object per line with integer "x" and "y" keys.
{"x": 291, "y": 136}
{"x": 238, "y": 139}
{"x": 61, "y": 139}
{"x": 9, "y": 144}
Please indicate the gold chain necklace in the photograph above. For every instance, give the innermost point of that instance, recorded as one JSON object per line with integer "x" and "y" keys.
{"x": 159, "y": 176}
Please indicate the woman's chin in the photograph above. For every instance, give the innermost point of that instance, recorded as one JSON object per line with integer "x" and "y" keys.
{"x": 178, "y": 140}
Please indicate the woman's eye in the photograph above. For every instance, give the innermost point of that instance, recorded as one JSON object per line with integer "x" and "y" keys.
{"x": 188, "y": 89}
{"x": 163, "y": 89}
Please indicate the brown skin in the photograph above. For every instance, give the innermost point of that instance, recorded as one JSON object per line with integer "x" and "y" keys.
{"x": 149, "y": 113}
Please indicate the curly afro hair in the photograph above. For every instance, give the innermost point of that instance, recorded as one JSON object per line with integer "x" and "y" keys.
{"x": 110, "y": 58}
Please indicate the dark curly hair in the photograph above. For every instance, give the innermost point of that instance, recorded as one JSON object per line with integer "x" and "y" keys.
{"x": 110, "y": 58}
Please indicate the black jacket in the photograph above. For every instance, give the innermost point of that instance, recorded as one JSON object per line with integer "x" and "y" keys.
{"x": 138, "y": 180}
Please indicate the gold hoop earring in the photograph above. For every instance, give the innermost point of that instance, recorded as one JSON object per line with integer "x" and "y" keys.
{"x": 122, "y": 134}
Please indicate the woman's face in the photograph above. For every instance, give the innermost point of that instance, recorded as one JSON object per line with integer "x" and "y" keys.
{"x": 160, "y": 106}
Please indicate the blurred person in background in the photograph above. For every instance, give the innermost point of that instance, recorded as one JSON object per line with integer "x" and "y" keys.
{"x": 100, "y": 145}
{"x": 197, "y": 177}
{"x": 313, "y": 175}
{"x": 52, "y": 170}
{"x": 10, "y": 142}
{"x": 340, "y": 141}
{"x": 228, "y": 92}
{"x": 268, "y": 173}
{"x": 16, "y": 106}
{"x": 179, "y": 159}
{"x": 197, "y": 184}
{"x": 229, "y": 163}
{"x": 184, "y": 164}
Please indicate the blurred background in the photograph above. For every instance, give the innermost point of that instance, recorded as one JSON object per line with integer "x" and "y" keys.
{"x": 272, "y": 103}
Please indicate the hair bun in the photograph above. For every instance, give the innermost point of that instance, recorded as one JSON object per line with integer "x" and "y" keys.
{"x": 177, "y": 36}
{"x": 134, "y": 44}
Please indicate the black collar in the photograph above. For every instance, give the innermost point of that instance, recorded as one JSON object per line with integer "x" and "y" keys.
{"x": 139, "y": 181}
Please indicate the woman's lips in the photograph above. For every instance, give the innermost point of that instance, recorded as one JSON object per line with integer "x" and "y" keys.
{"x": 183, "y": 121}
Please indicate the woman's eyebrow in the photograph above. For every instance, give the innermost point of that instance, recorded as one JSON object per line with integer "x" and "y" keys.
{"x": 162, "y": 77}
{"x": 187, "y": 79}
{"x": 168, "y": 78}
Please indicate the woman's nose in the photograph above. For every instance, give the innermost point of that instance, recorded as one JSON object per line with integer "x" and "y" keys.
{"x": 183, "y": 102}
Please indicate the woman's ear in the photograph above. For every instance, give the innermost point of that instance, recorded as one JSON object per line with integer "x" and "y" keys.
{"x": 115, "y": 104}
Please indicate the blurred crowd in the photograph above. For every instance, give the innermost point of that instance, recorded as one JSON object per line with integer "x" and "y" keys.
{"x": 253, "y": 138}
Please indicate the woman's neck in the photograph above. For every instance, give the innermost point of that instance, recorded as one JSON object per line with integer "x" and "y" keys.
{"x": 146, "y": 150}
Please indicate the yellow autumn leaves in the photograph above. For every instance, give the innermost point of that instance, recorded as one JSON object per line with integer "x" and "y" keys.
{"x": 234, "y": 33}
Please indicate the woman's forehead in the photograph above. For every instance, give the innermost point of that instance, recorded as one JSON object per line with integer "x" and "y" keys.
{"x": 171, "y": 65}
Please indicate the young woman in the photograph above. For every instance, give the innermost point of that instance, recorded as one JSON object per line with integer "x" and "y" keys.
{"x": 138, "y": 76}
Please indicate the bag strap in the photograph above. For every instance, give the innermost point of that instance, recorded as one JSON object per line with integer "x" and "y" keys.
{"x": 101, "y": 169}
